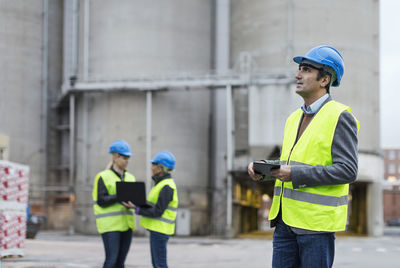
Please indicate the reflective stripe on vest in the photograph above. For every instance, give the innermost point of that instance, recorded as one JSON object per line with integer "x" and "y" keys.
{"x": 312, "y": 198}
{"x": 109, "y": 214}
{"x": 114, "y": 217}
{"x": 319, "y": 208}
{"x": 169, "y": 207}
{"x": 165, "y": 220}
{"x": 332, "y": 201}
{"x": 166, "y": 223}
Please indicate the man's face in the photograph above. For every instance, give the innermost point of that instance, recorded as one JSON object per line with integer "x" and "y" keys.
{"x": 307, "y": 83}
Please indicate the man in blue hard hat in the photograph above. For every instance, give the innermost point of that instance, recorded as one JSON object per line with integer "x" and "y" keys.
{"x": 114, "y": 221}
{"x": 159, "y": 219}
{"x": 319, "y": 160}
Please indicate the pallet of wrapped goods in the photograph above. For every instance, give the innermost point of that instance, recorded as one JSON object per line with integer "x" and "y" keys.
{"x": 14, "y": 183}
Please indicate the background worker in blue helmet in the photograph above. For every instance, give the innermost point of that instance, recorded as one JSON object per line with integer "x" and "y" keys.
{"x": 159, "y": 219}
{"x": 114, "y": 221}
{"x": 319, "y": 153}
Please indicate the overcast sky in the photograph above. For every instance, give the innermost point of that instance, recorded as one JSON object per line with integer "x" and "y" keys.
{"x": 389, "y": 73}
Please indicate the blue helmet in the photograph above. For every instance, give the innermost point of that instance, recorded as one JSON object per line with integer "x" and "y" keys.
{"x": 325, "y": 56}
{"x": 121, "y": 147}
{"x": 165, "y": 158}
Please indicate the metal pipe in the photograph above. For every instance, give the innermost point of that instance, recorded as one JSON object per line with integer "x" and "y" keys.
{"x": 74, "y": 36}
{"x": 85, "y": 130}
{"x": 71, "y": 162}
{"x": 229, "y": 157}
{"x": 86, "y": 40}
{"x": 70, "y": 47}
{"x": 222, "y": 36}
{"x": 219, "y": 117}
{"x": 45, "y": 103}
{"x": 148, "y": 138}
{"x": 183, "y": 84}
{"x": 289, "y": 48}
{"x": 66, "y": 53}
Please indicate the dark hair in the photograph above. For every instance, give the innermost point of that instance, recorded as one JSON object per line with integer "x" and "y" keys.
{"x": 322, "y": 73}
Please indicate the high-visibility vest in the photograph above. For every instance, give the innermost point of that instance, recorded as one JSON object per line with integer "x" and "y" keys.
{"x": 166, "y": 223}
{"x": 115, "y": 217}
{"x": 318, "y": 208}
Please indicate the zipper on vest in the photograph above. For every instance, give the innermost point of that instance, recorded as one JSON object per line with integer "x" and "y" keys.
{"x": 287, "y": 163}
{"x": 283, "y": 183}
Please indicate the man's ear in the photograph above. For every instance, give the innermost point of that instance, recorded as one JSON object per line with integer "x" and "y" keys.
{"x": 325, "y": 80}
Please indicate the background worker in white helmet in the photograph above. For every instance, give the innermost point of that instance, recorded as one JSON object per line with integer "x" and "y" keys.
{"x": 114, "y": 221}
{"x": 159, "y": 219}
{"x": 318, "y": 161}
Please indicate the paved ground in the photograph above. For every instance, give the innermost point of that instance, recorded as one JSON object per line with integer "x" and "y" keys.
{"x": 57, "y": 250}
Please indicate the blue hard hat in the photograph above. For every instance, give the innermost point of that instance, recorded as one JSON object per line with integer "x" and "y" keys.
{"x": 121, "y": 147}
{"x": 165, "y": 158}
{"x": 325, "y": 56}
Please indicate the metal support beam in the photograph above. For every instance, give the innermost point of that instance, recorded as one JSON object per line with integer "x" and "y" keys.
{"x": 86, "y": 40}
{"x": 229, "y": 158}
{"x": 85, "y": 135}
{"x": 217, "y": 160}
{"x": 45, "y": 97}
{"x": 148, "y": 138}
{"x": 71, "y": 162}
{"x": 182, "y": 83}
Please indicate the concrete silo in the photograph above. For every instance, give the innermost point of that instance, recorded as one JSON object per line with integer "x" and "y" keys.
{"x": 272, "y": 32}
{"x": 94, "y": 71}
{"x": 139, "y": 41}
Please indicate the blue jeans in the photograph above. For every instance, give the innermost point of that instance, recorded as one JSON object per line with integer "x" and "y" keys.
{"x": 302, "y": 251}
{"x": 116, "y": 246}
{"x": 158, "y": 248}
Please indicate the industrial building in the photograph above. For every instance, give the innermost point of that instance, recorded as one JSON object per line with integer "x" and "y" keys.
{"x": 211, "y": 80}
{"x": 391, "y": 186}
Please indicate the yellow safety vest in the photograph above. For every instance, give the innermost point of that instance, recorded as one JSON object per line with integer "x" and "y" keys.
{"x": 318, "y": 208}
{"x": 115, "y": 217}
{"x": 166, "y": 223}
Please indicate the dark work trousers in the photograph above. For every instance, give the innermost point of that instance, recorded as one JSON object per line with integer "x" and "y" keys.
{"x": 116, "y": 245}
{"x": 291, "y": 250}
{"x": 158, "y": 247}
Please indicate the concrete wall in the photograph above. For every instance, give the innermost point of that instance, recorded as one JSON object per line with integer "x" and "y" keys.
{"x": 21, "y": 88}
{"x": 272, "y": 32}
{"x": 152, "y": 39}
{"x": 148, "y": 37}
{"x": 127, "y": 41}
{"x": 275, "y": 31}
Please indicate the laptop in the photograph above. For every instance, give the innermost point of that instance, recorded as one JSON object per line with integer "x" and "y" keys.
{"x": 132, "y": 191}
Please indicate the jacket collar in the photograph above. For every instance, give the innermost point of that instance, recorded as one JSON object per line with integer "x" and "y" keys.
{"x": 157, "y": 179}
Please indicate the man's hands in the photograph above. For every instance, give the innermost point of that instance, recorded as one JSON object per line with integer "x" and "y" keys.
{"x": 283, "y": 173}
{"x": 253, "y": 175}
{"x": 128, "y": 204}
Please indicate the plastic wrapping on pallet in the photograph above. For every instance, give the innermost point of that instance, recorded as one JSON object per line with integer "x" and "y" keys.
{"x": 14, "y": 183}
